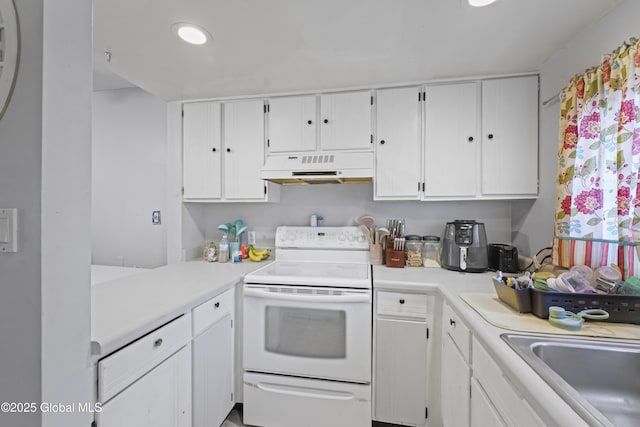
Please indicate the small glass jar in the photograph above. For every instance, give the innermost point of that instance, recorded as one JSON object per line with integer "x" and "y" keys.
{"x": 413, "y": 249}
{"x": 431, "y": 251}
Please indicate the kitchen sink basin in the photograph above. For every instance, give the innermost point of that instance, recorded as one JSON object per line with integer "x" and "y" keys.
{"x": 599, "y": 379}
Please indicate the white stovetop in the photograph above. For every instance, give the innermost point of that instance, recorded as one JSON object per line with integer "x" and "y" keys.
{"x": 311, "y": 273}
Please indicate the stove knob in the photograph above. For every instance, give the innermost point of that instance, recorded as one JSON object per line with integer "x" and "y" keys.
{"x": 352, "y": 237}
{"x": 361, "y": 238}
{"x": 342, "y": 237}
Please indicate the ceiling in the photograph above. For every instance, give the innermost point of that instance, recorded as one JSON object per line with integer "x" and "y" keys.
{"x": 283, "y": 46}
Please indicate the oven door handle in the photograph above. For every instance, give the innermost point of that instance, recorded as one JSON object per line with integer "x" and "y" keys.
{"x": 351, "y": 298}
{"x": 304, "y": 391}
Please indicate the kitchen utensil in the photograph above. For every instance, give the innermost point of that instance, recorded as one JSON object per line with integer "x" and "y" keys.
{"x": 367, "y": 232}
{"x": 503, "y": 258}
{"x": 564, "y": 319}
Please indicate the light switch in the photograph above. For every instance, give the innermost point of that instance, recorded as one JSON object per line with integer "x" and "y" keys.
{"x": 8, "y": 230}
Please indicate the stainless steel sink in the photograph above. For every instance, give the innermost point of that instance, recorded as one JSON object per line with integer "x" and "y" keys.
{"x": 599, "y": 379}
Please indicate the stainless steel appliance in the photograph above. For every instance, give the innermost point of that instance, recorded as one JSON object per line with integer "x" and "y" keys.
{"x": 307, "y": 331}
{"x": 464, "y": 247}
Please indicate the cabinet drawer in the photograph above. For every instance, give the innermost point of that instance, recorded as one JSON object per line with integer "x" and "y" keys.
{"x": 122, "y": 368}
{"x": 505, "y": 396}
{"x": 210, "y": 312}
{"x": 458, "y": 331}
{"x": 402, "y": 305}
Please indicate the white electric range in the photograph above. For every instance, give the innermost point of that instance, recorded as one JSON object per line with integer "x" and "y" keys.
{"x": 307, "y": 331}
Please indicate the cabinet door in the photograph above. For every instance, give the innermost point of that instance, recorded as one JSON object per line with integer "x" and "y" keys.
{"x": 401, "y": 369}
{"x": 483, "y": 413}
{"x": 510, "y": 136}
{"x": 345, "y": 121}
{"x": 162, "y": 397}
{"x": 456, "y": 375}
{"x": 397, "y": 146}
{"x": 243, "y": 150}
{"x": 451, "y": 140}
{"x": 201, "y": 150}
{"x": 292, "y": 124}
{"x": 213, "y": 374}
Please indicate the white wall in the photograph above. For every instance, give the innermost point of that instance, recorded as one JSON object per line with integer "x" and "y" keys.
{"x": 44, "y": 171}
{"x": 340, "y": 204}
{"x": 533, "y": 222}
{"x": 129, "y": 178}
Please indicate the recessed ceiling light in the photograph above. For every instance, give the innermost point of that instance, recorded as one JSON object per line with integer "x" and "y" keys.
{"x": 191, "y": 33}
{"x": 480, "y": 3}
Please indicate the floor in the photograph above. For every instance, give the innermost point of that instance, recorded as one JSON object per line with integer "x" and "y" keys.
{"x": 235, "y": 420}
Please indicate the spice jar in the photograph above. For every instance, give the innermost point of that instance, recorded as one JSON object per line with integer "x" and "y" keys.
{"x": 431, "y": 251}
{"x": 413, "y": 249}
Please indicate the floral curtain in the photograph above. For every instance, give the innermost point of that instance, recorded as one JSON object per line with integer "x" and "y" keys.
{"x": 598, "y": 186}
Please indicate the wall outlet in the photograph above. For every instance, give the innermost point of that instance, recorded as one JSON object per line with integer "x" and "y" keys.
{"x": 155, "y": 218}
{"x": 251, "y": 238}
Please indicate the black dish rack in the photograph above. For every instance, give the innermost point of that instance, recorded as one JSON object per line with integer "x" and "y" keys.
{"x": 621, "y": 308}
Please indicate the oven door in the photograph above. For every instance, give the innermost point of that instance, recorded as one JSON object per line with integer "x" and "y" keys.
{"x": 308, "y": 331}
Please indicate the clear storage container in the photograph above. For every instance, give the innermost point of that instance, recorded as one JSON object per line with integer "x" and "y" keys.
{"x": 413, "y": 249}
{"x": 431, "y": 251}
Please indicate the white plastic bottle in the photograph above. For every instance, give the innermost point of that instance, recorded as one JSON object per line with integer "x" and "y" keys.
{"x": 223, "y": 249}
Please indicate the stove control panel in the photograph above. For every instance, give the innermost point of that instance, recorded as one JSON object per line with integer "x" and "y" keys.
{"x": 321, "y": 238}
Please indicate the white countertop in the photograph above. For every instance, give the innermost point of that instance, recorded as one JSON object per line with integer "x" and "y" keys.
{"x": 124, "y": 309}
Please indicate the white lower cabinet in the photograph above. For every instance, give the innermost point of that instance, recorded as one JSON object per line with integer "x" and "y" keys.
{"x": 505, "y": 396}
{"x": 483, "y": 413}
{"x": 148, "y": 382}
{"x": 455, "y": 372}
{"x": 213, "y": 377}
{"x": 400, "y": 357}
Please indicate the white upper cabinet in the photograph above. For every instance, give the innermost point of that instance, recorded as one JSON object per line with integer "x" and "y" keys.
{"x": 223, "y": 163}
{"x": 243, "y": 149}
{"x": 398, "y": 144}
{"x": 345, "y": 121}
{"x": 451, "y": 140}
{"x": 202, "y": 150}
{"x": 292, "y": 124}
{"x": 510, "y": 136}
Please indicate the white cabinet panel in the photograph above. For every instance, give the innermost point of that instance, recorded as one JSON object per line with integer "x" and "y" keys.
{"x": 401, "y": 371}
{"x": 483, "y": 413}
{"x": 451, "y": 140}
{"x": 398, "y": 144}
{"x": 345, "y": 121}
{"x": 213, "y": 380}
{"x": 243, "y": 149}
{"x": 456, "y": 377}
{"x": 201, "y": 150}
{"x": 510, "y": 136}
{"x": 160, "y": 398}
{"x": 292, "y": 124}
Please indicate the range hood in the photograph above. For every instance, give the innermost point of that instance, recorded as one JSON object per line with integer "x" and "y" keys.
{"x": 318, "y": 168}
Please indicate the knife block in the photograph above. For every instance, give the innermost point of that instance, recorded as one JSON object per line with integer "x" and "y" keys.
{"x": 394, "y": 258}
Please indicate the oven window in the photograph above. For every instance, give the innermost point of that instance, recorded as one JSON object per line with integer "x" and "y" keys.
{"x": 306, "y": 332}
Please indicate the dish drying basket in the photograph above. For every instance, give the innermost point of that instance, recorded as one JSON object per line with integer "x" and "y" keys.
{"x": 621, "y": 308}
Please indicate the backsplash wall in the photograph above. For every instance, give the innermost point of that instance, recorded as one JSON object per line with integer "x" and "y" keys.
{"x": 340, "y": 205}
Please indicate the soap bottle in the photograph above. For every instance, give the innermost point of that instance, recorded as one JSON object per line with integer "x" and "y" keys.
{"x": 223, "y": 249}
